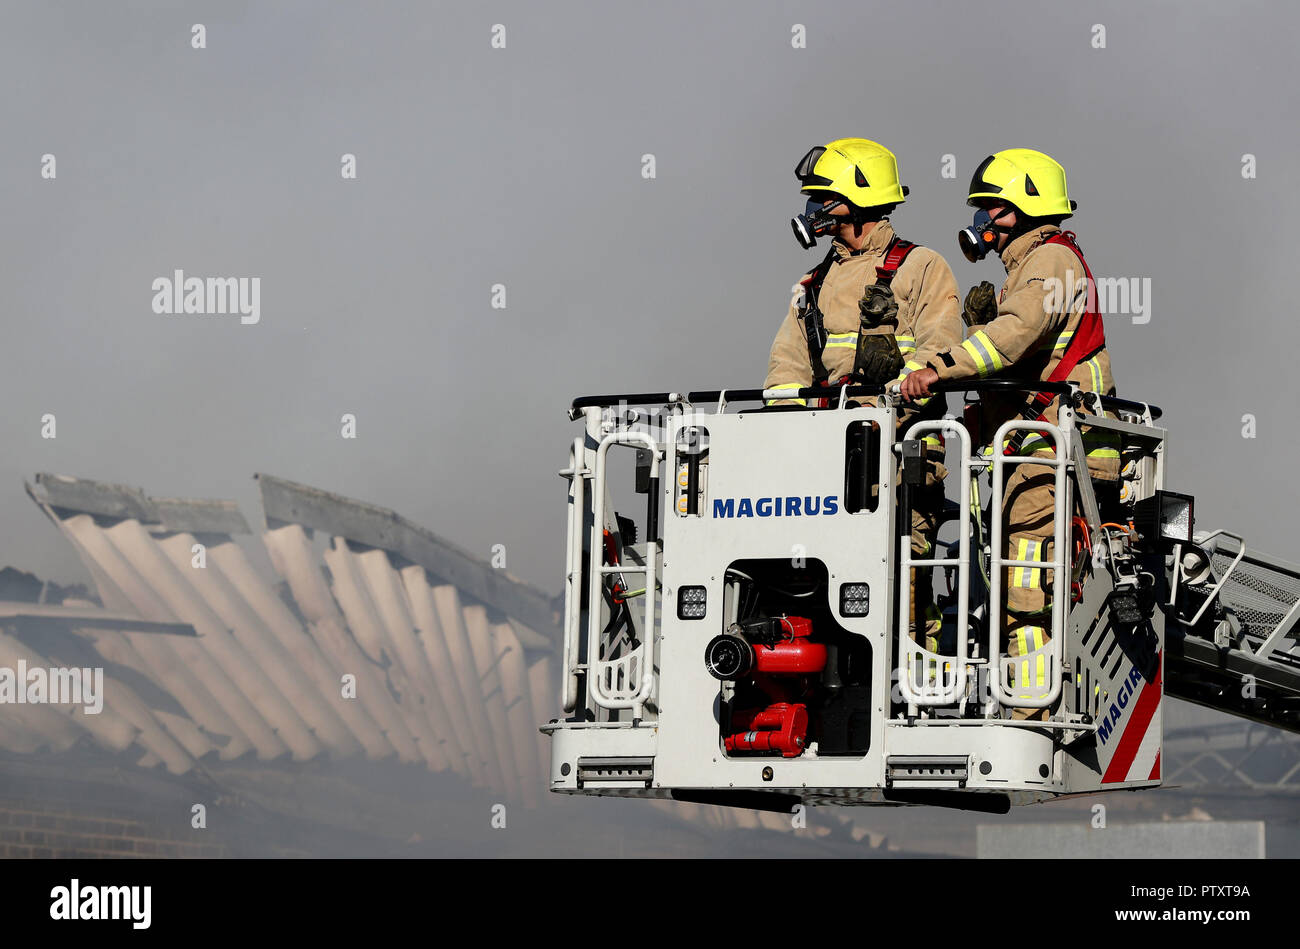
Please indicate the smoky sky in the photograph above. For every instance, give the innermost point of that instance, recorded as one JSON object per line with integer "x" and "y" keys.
{"x": 522, "y": 166}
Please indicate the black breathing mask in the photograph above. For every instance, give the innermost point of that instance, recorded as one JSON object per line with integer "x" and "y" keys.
{"x": 815, "y": 221}
{"x": 981, "y": 237}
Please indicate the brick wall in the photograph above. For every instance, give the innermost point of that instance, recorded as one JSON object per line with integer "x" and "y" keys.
{"x": 81, "y": 805}
{"x": 35, "y": 829}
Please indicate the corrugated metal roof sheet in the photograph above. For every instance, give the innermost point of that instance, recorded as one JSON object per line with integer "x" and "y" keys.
{"x": 394, "y": 644}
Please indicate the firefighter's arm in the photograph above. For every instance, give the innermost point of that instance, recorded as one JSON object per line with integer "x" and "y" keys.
{"x": 1032, "y": 313}
{"x": 936, "y": 312}
{"x": 788, "y": 366}
{"x": 935, "y": 318}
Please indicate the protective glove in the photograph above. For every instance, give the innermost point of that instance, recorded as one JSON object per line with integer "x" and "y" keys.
{"x": 878, "y": 306}
{"x": 877, "y": 360}
{"x": 981, "y": 305}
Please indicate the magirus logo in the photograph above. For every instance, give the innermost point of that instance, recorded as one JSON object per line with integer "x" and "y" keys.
{"x": 793, "y": 505}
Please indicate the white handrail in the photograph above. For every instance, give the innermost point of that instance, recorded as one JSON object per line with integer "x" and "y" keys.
{"x": 909, "y": 651}
{"x": 577, "y": 474}
{"x": 1060, "y": 589}
{"x": 596, "y": 668}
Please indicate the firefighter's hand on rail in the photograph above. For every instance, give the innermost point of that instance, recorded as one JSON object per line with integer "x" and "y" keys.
{"x": 917, "y": 384}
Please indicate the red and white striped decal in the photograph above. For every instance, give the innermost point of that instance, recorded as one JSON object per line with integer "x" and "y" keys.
{"x": 1137, "y": 756}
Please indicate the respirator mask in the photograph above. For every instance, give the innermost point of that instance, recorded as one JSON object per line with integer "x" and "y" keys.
{"x": 815, "y": 221}
{"x": 981, "y": 237}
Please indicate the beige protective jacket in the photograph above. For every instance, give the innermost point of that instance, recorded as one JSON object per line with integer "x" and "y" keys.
{"x": 1041, "y": 306}
{"x": 929, "y": 313}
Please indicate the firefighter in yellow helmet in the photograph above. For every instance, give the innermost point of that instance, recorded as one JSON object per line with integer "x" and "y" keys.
{"x": 875, "y": 309}
{"x": 1043, "y": 326}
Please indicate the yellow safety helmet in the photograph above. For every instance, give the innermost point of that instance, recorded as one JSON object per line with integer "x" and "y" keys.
{"x": 863, "y": 172}
{"x": 1030, "y": 180}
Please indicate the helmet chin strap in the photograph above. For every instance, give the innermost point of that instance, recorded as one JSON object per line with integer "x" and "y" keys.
{"x": 858, "y": 215}
{"x": 1023, "y": 225}
{"x": 859, "y": 218}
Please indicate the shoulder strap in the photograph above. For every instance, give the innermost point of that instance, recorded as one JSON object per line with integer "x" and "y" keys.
{"x": 811, "y": 314}
{"x": 895, "y": 254}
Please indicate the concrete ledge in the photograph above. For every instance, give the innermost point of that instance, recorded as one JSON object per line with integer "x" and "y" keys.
{"x": 1177, "y": 840}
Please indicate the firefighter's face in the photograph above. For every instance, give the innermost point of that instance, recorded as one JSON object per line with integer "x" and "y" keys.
{"x": 1003, "y": 216}
{"x": 826, "y": 197}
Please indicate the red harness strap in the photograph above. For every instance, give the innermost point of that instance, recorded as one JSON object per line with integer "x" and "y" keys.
{"x": 1089, "y": 339}
{"x": 895, "y": 254}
